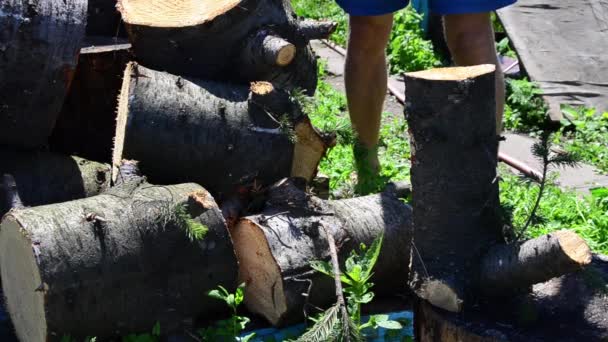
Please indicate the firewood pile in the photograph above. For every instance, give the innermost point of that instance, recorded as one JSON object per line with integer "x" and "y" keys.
{"x": 153, "y": 150}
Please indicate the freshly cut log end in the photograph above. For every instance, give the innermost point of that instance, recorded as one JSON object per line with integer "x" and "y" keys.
{"x": 275, "y": 248}
{"x": 453, "y": 73}
{"x": 181, "y": 13}
{"x": 39, "y": 46}
{"x": 451, "y": 117}
{"x": 109, "y": 264}
{"x": 224, "y": 135}
{"x": 508, "y": 268}
{"x": 259, "y": 270}
{"x": 313, "y": 29}
{"x": 266, "y": 47}
{"x": 22, "y": 284}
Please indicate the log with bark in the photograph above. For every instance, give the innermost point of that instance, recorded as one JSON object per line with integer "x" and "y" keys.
{"x": 275, "y": 248}
{"x": 87, "y": 122}
{"x": 221, "y": 135}
{"x": 115, "y": 263}
{"x": 39, "y": 46}
{"x": 569, "y": 308}
{"x": 450, "y": 112}
{"x": 245, "y": 40}
{"x": 38, "y": 178}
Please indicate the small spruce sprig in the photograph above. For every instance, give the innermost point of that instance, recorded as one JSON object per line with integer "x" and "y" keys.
{"x": 195, "y": 230}
{"x": 543, "y": 151}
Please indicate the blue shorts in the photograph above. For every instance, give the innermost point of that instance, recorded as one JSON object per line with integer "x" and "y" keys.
{"x": 379, "y": 7}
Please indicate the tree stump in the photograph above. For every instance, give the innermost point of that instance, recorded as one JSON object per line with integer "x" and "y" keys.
{"x": 39, "y": 178}
{"x": 219, "y": 134}
{"x": 87, "y": 122}
{"x": 116, "y": 263}
{"x": 244, "y": 40}
{"x": 275, "y": 248}
{"x": 39, "y": 46}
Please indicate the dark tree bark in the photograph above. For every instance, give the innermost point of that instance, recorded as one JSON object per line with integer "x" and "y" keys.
{"x": 507, "y": 268}
{"x": 208, "y": 38}
{"x": 103, "y": 19}
{"x": 275, "y": 248}
{"x": 87, "y": 122}
{"x": 312, "y": 29}
{"x": 115, "y": 263}
{"x": 44, "y": 178}
{"x": 39, "y": 44}
{"x": 451, "y": 115}
{"x": 570, "y": 308}
{"x": 223, "y": 135}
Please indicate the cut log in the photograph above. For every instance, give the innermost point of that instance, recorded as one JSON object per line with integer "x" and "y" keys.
{"x": 507, "y": 268}
{"x": 213, "y": 39}
{"x": 116, "y": 263}
{"x": 103, "y": 19}
{"x": 451, "y": 113}
{"x": 221, "y": 134}
{"x": 39, "y": 46}
{"x": 42, "y": 178}
{"x": 275, "y": 248}
{"x": 572, "y": 308}
{"x": 87, "y": 122}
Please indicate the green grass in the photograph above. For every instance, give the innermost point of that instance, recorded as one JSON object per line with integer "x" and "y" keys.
{"x": 585, "y": 134}
{"x": 559, "y": 209}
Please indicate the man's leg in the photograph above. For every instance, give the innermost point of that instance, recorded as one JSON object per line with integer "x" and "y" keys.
{"x": 470, "y": 38}
{"x": 365, "y": 79}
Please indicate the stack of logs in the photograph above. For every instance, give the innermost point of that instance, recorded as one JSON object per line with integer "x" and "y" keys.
{"x": 124, "y": 125}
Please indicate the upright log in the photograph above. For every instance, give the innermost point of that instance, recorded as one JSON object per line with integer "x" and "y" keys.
{"x": 451, "y": 115}
{"x": 39, "y": 178}
{"x": 116, "y": 263}
{"x": 222, "y": 39}
{"x": 275, "y": 248}
{"x": 221, "y": 134}
{"x": 39, "y": 46}
{"x": 87, "y": 122}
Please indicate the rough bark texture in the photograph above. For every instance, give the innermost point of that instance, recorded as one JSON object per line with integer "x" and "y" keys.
{"x": 87, "y": 122}
{"x": 205, "y": 39}
{"x": 312, "y": 29}
{"x": 44, "y": 178}
{"x": 455, "y": 190}
{"x": 570, "y": 308}
{"x": 275, "y": 248}
{"x": 115, "y": 263}
{"x": 39, "y": 44}
{"x": 214, "y": 133}
{"x": 103, "y": 19}
{"x": 507, "y": 268}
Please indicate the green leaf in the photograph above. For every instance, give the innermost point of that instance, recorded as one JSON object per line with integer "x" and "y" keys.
{"x": 247, "y": 338}
{"x": 323, "y": 267}
{"x": 379, "y": 318}
{"x": 371, "y": 256}
{"x": 392, "y": 325}
{"x": 366, "y": 298}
